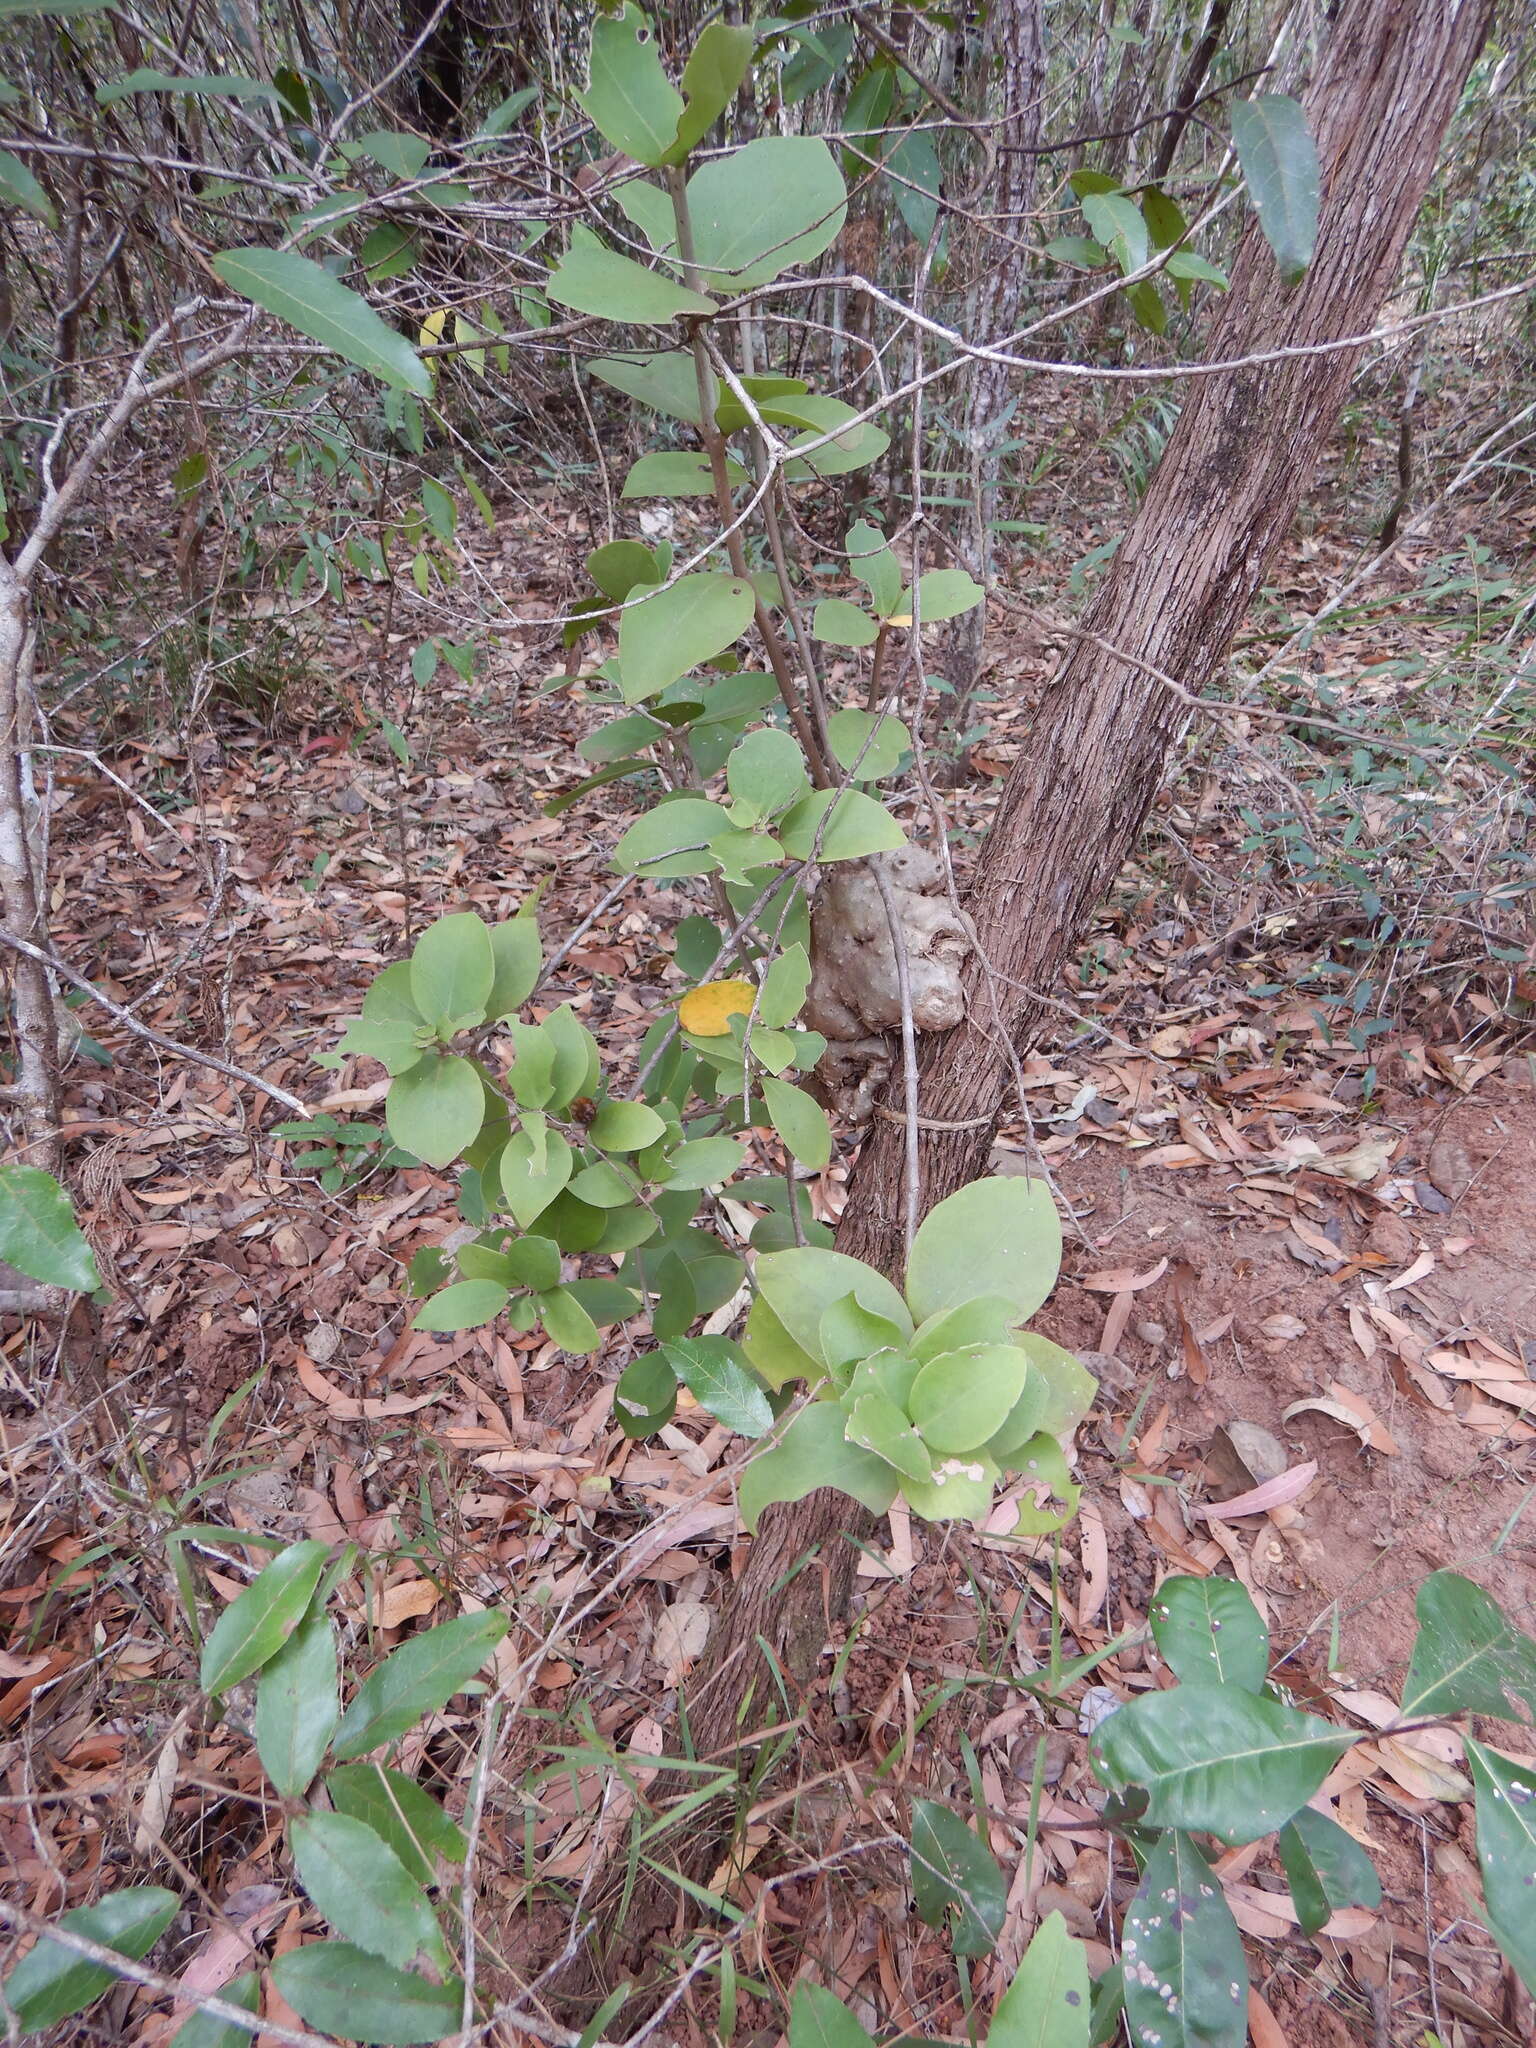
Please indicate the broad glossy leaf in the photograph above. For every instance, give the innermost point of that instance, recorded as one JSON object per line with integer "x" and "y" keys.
{"x": 773, "y": 1353}
{"x": 703, "y": 1163}
{"x": 814, "y": 1452}
{"x": 347, "y": 1991}
{"x": 204, "y": 2031}
{"x": 800, "y": 1121}
{"x": 711, "y": 79}
{"x": 1506, "y": 1852}
{"x": 255, "y": 1626}
{"x": 801, "y": 1285}
{"x": 1116, "y": 222}
{"x": 402, "y": 1813}
{"x": 296, "y": 290}
{"x": 672, "y": 839}
{"x": 762, "y": 209}
{"x": 719, "y": 1379}
{"x": 955, "y": 1877}
{"x": 51, "y": 1982}
{"x": 877, "y": 1424}
{"x": 1467, "y": 1658}
{"x": 1279, "y": 160}
{"x": 416, "y": 1680}
{"x": 363, "y": 1888}
{"x": 1186, "y": 1978}
{"x": 784, "y": 986}
{"x": 592, "y": 279}
{"x": 567, "y": 1322}
{"x": 528, "y": 1189}
{"x": 875, "y": 565}
{"x": 1046, "y": 2005}
{"x": 1209, "y": 1631}
{"x": 38, "y": 1232}
{"x": 297, "y": 1707}
{"x": 960, "y": 1399}
{"x": 436, "y": 1109}
{"x": 664, "y": 636}
{"x": 1219, "y": 1759}
{"x": 1000, "y": 1236}
{"x": 834, "y": 824}
{"x": 463, "y": 1306}
{"x": 1325, "y": 1868}
{"x": 389, "y": 999}
{"x": 626, "y": 1126}
{"x": 869, "y": 744}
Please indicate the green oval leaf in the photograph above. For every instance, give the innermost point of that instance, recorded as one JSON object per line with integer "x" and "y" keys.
{"x": 719, "y": 1379}
{"x": 626, "y": 1127}
{"x": 672, "y": 839}
{"x": 363, "y": 1888}
{"x": 800, "y": 1121}
{"x": 762, "y": 209}
{"x": 463, "y": 1306}
{"x": 1000, "y": 1236}
{"x": 1209, "y": 1631}
{"x": 799, "y": 1286}
{"x": 1046, "y": 2005}
{"x": 50, "y": 1982}
{"x": 856, "y": 826}
{"x": 297, "y": 1706}
{"x": 961, "y": 1399}
{"x": 38, "y": 1232}
{"x": 1467, "y": 1658}
{"x": 349, "y": 1992}
{"x": 18, "y": 187}
{"x": 417, "y": 1679}
{"x": 1218, "y": 1759}
{"x": 255, "y": 1626}
{"x": 813, "y": 1452}
{"x": 1325, "y": 1868}
{"x": 591, "y": 279}
{"x": 436, "y": 1108}
{"x": 662, "y": 637}
{"x": 296, "y": 290}
{"x": 453, "y": 969}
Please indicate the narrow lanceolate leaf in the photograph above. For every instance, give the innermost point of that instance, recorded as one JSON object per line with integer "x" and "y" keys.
{"x": 1046, "y": 2005}
{"x": 1467, "y": 1658}
{"x": 297, "y": 1707}
{"x": 417, "y": 1679}
{"x": 954, "y": 1875}
{"x": 347, "y": 1991}
{"x": 818, "y": 2019}
{"x": 255, "y": 1627}
{"x": 1506, "y": 1852}
{"x": 1209, "y": 1630}
{"x": 1279, "y": 160}
{"x": 402, "y": 1813}
{"x": 51, "y": 1982}
{"x": 1186, "y": 1980}
{"x": 296, "y": 290}
{"x": 363, "y": 1888}
{"x": 1216, "y": 1758}
{"x": 38, "y": 1232}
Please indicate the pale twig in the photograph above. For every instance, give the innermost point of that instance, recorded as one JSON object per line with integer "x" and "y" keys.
{"x": 912, "y": 1189}
{"x": 126, "y": 1018}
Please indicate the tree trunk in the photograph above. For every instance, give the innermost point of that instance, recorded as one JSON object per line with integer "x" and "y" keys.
{"x": 1219, "y": 505}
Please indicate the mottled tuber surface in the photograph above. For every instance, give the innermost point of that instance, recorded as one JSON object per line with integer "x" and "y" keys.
{"x": 855, "y": 995}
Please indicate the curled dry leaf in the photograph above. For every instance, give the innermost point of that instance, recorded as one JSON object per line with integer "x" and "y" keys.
{"x": 1274, "y": 1493}
{"x": 1353, "y": 1412}
{"x": 1121, "y": 1280}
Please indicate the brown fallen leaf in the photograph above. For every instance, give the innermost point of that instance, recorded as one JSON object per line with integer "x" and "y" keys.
{"x": 348, "y": 1407}
{"x": 1274, "y": 1493}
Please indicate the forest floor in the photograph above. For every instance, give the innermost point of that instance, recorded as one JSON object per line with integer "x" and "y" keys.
{"x": 1298, "y": 1278}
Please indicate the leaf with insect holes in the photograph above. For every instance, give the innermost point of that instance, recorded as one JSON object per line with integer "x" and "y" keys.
{"x": 255, "y": 1626}
{"x": 955, "y": 1877}
{"x": 1209, "y": 1629}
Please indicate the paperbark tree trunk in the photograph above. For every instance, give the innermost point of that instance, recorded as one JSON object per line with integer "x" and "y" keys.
{"x": 1219, "y": 505}
{"x": 1222, "y": 500}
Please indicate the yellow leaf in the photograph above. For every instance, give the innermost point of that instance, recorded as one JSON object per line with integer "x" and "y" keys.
{"x": 707, "y": 1011}
{"x": 433, "y": 326}
{"x": 900, "y": 619}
